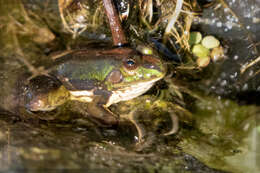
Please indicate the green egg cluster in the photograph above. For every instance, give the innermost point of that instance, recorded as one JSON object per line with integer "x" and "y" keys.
{"x": 205, "y": 48}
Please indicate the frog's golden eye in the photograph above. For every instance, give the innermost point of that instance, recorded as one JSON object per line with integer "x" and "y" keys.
{"x": 130, "y": 64}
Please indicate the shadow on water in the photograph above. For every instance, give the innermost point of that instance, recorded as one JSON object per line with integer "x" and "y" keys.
{"x": 222, "y": 134}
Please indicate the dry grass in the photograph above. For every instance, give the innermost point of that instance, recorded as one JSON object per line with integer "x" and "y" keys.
{"x": 171, "y": 17}
{"x": 175, "y": 19}
{"x": 19, "y": 31}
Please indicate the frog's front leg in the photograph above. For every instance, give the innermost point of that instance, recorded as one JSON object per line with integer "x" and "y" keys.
{"x": 100, "y": 113}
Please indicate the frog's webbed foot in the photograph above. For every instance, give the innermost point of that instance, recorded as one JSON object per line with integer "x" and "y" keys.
{"x": 132, "y": 116}
{"x": 174, "y": 118}
{"x": 101, "y": 115}
{"x": 140, "y": 129}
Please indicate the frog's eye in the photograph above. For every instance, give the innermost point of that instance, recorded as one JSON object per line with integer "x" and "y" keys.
{"x": 130, "y": 62}
{"x": 130, "y": 65}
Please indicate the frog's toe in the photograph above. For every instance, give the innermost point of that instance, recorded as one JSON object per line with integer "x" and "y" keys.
{"x": 175, "y": 124}
{"x": 140, "y": 129}
{"x": 102, "y": 115}
{"x": 110, "y": 120}
{"x": 147, "y": 141}
{"x": 105, "y": 121}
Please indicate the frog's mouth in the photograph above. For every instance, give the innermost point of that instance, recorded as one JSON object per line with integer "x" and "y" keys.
{"x": 131, "y": 91}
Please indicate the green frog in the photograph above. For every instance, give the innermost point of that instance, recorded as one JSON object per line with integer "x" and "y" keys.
{"x": 99, "y": 77}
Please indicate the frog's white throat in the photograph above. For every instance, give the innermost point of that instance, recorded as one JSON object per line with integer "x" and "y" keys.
{"x": 124, "y": 94}
{"x": 130, "y": 92}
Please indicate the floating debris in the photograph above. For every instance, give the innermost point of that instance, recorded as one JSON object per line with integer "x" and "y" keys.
{"x": 200, "y": 51}
{"x": 195, "y": 38}
{"x": 217, "y": 53}
{"x": 210, "y": 42}
{"x": 206, "y": 48}
{"x": 203, "y": 61}
{"x": 74, "y": 16}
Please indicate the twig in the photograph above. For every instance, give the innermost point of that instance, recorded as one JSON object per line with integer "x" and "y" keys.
{"x": 244, "y": 68}
{"x": 174, "y": 17}
{"x": 66, "y": 26}
{"x": 114, "y": 23}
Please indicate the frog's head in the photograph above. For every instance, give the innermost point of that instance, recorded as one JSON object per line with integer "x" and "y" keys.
{"x": 136, "y": 73}
{"x": 137, "y": 68}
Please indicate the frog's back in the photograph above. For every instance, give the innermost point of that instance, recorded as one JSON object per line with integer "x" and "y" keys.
{"x": 85, "y": 69}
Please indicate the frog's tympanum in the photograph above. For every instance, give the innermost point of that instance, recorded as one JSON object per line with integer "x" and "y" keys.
{"x": 98, "y": 77}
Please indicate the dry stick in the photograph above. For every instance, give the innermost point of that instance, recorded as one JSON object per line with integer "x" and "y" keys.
{"x": 114, "y": 23}
{"x": 173, "y": 18}
{"x": 244, "y": 68}
{"x": 61, "y": 5}
{"x": 20, "y": 53}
